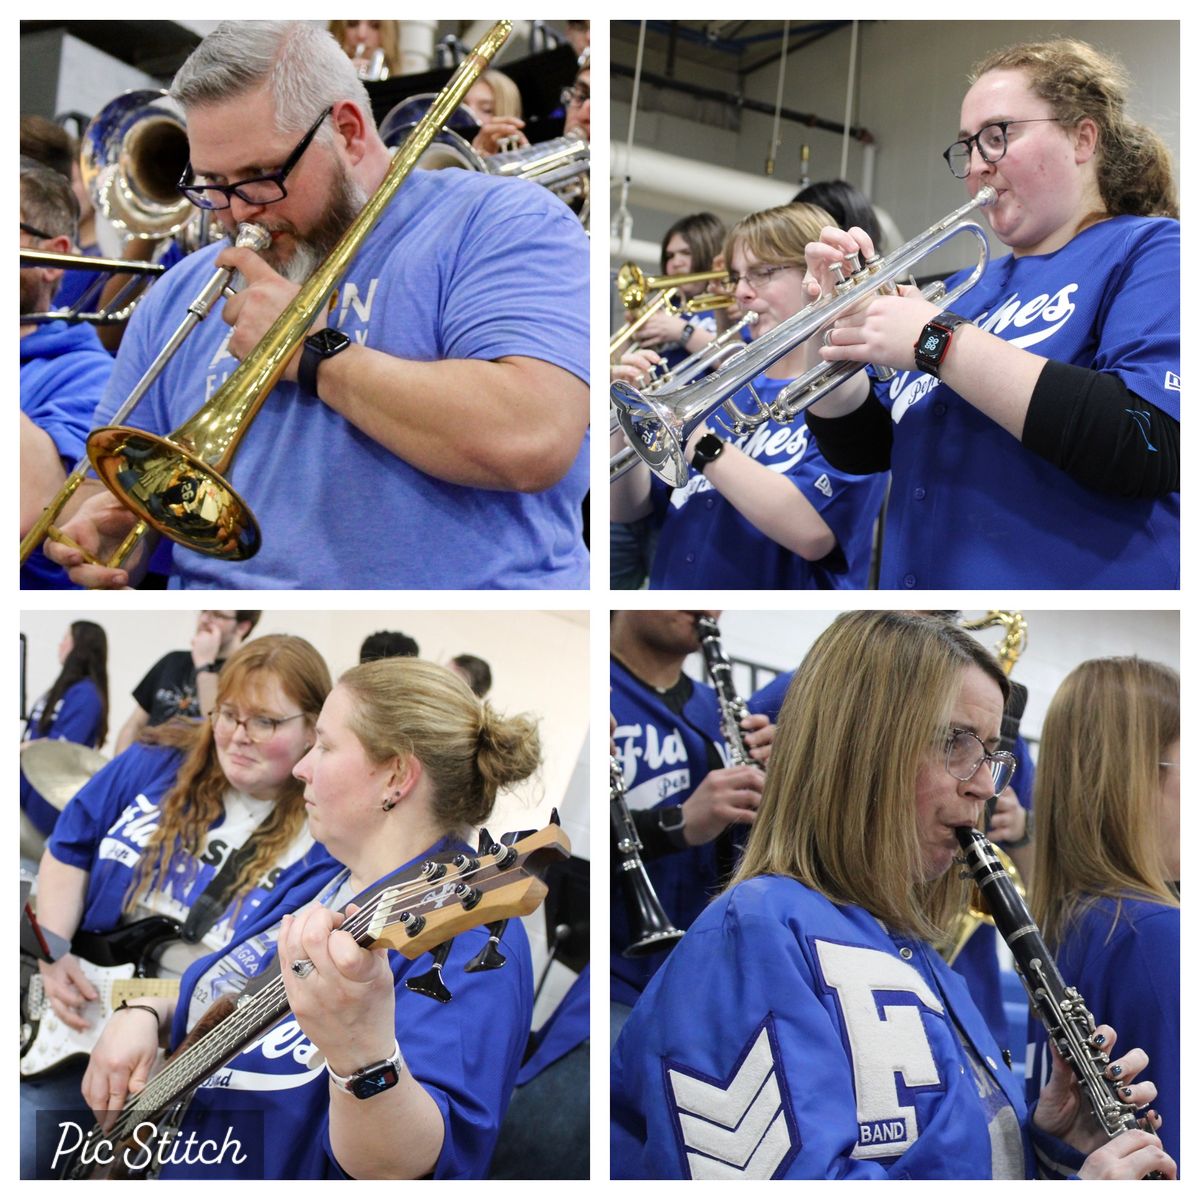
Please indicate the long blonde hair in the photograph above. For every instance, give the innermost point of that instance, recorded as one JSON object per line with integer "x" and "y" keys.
{"x": 1098, "y": 788}
{"x": 196, "y": 800}
{"x": 870, "y": 700}
{"x": 408, "y": 707}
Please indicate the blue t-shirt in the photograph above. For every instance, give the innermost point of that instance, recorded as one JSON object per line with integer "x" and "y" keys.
{"x": 465, "y": 1053}
{"x": 436, "y": 279}
{"x": 1128, "y": 975}
{"x": 107, "y": 825}
{"x": 76, "y": 718}
{"x": 705, "y": 542}
{"x": 664, "y": 759}
{"x": 64, "y": 371}
{"x": 790, "y": 1037}
{"x": 969, "y": 505}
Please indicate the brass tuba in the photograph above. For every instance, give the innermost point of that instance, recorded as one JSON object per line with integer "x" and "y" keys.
{"x": 176, "y": 484}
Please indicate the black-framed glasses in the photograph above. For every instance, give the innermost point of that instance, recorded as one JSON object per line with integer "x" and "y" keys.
{"x": 966, "y": 753}
{"x": 262, "y": 189}
{"x": 757, "y": 277}
{"x": 258, "y": 728}
{"x": 34, "y": 232}
{"x": 574, "y": 95}
{"x": 991, "y": 142}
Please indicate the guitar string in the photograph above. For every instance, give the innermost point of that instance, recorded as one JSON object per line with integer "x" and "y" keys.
{"x": 212, "y": 1047}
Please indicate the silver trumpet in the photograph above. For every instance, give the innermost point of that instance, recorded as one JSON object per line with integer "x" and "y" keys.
{"x": 706, "y": 358}
{"x": 658, "y": 425}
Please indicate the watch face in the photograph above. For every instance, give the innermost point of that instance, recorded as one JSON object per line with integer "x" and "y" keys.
{"x": 326, "y": 341}
{"x": 931, "y": 343}
{"x": 378, "y": 1080}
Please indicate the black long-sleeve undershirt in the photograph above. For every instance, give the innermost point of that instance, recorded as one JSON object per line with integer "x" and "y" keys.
{"x": 1087, "y": 423}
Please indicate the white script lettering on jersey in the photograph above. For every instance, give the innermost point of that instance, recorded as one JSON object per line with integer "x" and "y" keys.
{"x": 136, "y": 826}
{"x": 1044, "y": 316}
{"x": 763, "y": 442}
{"x": 646, "y": 750}
{"x": 736, "y": 1127}
{"x": 881, "y": 1047}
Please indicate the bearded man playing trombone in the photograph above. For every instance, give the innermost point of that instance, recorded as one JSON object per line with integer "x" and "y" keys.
{"x": 448, "y": 411}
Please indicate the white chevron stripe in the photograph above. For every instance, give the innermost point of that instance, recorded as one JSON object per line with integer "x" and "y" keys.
{"x": 734, "y": 1145}
{"x": 762, "y": 1164}
{"x": 727, "y": 1105}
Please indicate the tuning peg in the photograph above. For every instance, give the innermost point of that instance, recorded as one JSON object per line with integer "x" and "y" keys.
{"x": 468, "y": 896}
{"x": 431, "y": 870}
{"x": 465, "y": 863}
{"x": 486, "y": 842}
{"x": 490, "y": 958}
{"x": 554, "y": 817}
{"x": 430, "y": 983}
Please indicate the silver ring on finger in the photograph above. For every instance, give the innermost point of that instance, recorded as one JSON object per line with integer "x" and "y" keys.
{"x": 302, "y": 968}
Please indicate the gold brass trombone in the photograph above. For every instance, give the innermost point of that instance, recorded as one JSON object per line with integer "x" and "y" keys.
{"x": 176, "y": 484}
{"x": 252, "y": 236}
{"x": 658, "y": 426}
{"x": 114, "y": 311}
{"x": 634, "y": 286}
{"x": 673, "y": 301}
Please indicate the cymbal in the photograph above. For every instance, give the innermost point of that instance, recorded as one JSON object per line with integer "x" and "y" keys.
{"x": 59, "y": 769}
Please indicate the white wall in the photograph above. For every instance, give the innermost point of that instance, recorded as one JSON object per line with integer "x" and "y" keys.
{"x": 910, "y": 81}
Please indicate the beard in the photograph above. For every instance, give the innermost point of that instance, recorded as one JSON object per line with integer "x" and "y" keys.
{"x": 309, "y": 249}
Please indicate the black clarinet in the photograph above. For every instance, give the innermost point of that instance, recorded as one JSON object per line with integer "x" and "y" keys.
{"x": 733, "y": 707}
{"x": 1059, "y": 1007}
{"x": 648, "y": 922}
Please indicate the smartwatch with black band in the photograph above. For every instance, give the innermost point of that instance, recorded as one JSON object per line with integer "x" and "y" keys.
{"x": 931, "y": 347}
{"x": 708, "y": 449}
{"x": 323, "y": 344}
{"x": 689, "y": 327}
{"x": 372, "y": 1080}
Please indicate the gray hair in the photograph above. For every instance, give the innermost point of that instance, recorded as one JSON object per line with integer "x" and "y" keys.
{"x": 304, "y": 67}
{"x": 47, "y": 201}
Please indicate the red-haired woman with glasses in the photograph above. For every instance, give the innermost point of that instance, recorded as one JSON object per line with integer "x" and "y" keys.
{"x": 1033, "y": 433}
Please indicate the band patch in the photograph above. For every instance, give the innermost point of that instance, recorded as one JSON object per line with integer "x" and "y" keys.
{"x": 739, "y": 1127}
{"x": 885, "y": 1039}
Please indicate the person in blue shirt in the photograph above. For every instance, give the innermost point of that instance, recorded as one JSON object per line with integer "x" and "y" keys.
{"x": 406, "y": 758}
{"x": 1106, "y": 886}
{"x": 804, "y": 1027}
{"x": 762, "y": 509}
{"x": 440, "y": 405}
{"x": 1040, "y": 419}
{"x": 75, "y": 709}
{"x": 64, "y": 368}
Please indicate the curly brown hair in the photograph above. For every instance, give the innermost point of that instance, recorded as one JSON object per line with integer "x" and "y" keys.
{"x": 196, "y": 801}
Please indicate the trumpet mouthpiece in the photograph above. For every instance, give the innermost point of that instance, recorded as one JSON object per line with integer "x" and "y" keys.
{"x": 985, "y": 196}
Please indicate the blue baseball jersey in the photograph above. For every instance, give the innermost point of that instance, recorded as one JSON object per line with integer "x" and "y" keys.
{"x": 465, "y": 1053}
{"x": 969, "y": 505}
{"x": 64, "y": 371}
{"x": 790, "y": 1037}
{"x": 76, "y": 718}
{"x": 434, "y": 280}
{"x": 1126, "y": 968}
{"x": 705, "y": 542}
{"x": 664, "y": 758}
{"x": 107, "y": 825}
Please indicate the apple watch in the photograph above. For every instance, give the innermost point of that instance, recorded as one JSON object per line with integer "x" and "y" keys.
{"x": 323, "y": 344}
{"x": 931, "y": 347}
{"x": 708, "y": 449}
{"x": 372, "y": 1080}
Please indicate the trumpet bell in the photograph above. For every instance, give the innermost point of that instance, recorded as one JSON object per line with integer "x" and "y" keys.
{"x": 175, "y": 491}
{"x": 654, "y": 429}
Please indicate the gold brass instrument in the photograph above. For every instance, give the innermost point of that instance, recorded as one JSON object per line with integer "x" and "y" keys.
{"x": 671, "y": 300}
{"x": 658, "y": 426}
{"x": 706, "y": 358}
{"x": 116, "y": 310}
{"x": 1007, "y": 651}
{"x": 176, "y": 484}
{"x": 634, "y": 286}
{"x": 255, "y": 238}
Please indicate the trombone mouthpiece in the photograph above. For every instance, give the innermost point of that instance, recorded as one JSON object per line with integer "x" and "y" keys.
{"x": 985, "y": 196}
{"x": 255, "y": 237}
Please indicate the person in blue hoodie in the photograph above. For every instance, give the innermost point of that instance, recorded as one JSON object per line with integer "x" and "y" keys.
{"x": 363, "y": 1077}
{"x": 64, "y": 368}
{"x": 804, "y": 1027}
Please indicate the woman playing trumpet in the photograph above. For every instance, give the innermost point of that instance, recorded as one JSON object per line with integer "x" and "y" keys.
{"x": 765, "y": 509}
{"x": 1038, "y": 426}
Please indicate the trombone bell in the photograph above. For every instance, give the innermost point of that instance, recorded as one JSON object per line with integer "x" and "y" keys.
{"x": 175, "y": 492}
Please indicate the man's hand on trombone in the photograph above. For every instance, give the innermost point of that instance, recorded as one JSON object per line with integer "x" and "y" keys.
{"x": 97, "y": 528}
